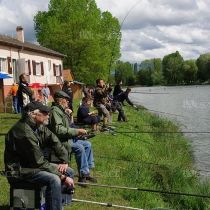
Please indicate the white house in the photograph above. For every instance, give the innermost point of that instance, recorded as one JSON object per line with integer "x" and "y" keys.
{"x": 42, "y": 65}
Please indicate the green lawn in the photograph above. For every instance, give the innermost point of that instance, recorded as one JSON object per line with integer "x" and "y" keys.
{"x": 153, "y": 161}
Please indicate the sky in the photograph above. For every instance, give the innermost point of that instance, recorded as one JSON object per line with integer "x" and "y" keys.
{"x": 152, "y": 28}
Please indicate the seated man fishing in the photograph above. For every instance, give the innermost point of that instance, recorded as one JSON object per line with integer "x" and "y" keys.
{"x": 85, "y": 116}
{"x": 60, "y": 125}
{"x": 24, "y": 145}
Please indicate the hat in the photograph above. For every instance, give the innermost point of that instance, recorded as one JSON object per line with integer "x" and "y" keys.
{"x": 61, "y": 94}
{"x": 36, "y": 105}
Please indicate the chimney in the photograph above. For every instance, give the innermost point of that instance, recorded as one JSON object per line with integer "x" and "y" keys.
{"x": 20, "y": 33}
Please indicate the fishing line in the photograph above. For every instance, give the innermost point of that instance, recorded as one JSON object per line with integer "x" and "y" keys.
{"x": 143, "y": 190}
{"x": 151, "y": 93}
{"x": 127, "y": 14}
{"x": 165, "y": 132}
{"x": 172, "y": 114}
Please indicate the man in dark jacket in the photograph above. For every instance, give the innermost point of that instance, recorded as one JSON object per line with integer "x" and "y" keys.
{"x": 24, "y": 145}
{"x": 117, "y": 88}
{"x": 59, "y": 124}
{"x": 24, "y": 93}
{"x": 119, "y": 101}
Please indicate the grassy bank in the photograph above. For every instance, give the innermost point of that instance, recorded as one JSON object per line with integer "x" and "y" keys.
{"x": 152, "y": 161}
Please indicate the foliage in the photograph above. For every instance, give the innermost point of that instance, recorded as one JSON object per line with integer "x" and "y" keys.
{"x": 203, "y": 63}
{"x": 150, "y": 72}
{"x": 172, "y": 66}
{"x": 189, "y": 71}
{"x": 89, "y": 38}
{"x": 124, "y": 72}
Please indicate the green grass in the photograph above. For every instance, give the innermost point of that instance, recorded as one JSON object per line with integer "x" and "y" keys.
{"x": 152, "y": 161}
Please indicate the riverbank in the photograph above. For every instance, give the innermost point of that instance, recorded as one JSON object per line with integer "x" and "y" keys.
{"x": 144, "y": 160}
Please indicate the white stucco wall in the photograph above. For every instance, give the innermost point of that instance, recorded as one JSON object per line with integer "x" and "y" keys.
{"x": 37, "y": 57}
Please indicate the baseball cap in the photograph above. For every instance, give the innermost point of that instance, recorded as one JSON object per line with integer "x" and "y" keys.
{"x": 61, "y": 94}
{"x": 36, "y": 105}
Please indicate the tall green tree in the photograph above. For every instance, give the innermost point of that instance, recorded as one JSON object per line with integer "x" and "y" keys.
{"x": 189, "y": 71}
{"x": 172, "y": 67}
{"x": 203, "y": 63}
{"x": 157, "y": 74}
{"x": 89, "y": 38}
{"x": 124, "y": 71}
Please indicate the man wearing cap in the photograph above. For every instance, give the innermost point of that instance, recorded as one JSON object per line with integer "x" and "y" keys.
{"x": 24, "y": 145}
{"x": 59, "y": 124}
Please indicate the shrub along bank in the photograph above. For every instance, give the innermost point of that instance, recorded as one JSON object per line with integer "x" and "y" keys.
{"x": 157, "y": 161}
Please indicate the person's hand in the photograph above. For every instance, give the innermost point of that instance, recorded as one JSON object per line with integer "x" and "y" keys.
{"x": 69, "y": 182}
{"x": 68, "y": 111}
{"x": 82, "y": 131}
{"x": 62, "y": 168}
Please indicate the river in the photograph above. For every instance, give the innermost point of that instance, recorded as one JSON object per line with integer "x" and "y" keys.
{"x": 189, "y": 106}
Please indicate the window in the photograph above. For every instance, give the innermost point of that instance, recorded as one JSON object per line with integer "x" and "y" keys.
{"x": 38, "y": 68}
{"x": 3, "y": 65}
{"x": 57, "y": 70}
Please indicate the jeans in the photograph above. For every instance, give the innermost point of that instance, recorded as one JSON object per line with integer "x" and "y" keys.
{"x": 118, "y": 106}
{"x": 53, "y": 184}
{"x": 83, "y": 155}
{"x": 15, "y": 104}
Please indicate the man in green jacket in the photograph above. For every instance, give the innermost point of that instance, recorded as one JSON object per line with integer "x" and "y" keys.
{"x": 60, "y": 125}
{"x": 24, "y": 145}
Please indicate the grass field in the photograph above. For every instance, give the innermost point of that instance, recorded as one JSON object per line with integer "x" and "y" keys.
{"x": 152, "y": 161}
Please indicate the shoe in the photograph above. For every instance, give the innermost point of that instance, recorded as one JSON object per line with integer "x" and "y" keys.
{"x": 82, "y": 180}
{"x": 91, "y": 179}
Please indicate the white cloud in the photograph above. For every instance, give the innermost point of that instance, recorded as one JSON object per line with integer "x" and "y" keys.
{"x": 152, "y": 28}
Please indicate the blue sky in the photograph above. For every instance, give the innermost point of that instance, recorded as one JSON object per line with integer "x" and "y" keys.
{"x": 153, "y": 28}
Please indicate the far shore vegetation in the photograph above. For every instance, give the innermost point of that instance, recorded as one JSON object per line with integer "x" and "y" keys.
{"x": 144, "y": 160}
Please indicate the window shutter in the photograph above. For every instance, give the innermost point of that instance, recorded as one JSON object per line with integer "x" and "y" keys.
{"x": 29, "y": 67}
{"x": 42, "y": 69}
{"x": 54, "y": 69}
{"x": 9, "y": 65}
{"x": 34, "y": 67}
{"x": 60, "y": 69}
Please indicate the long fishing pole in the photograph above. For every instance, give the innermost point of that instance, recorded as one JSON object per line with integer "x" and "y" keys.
{"x": 143, "y": 190}
{"x": 104, "y": 204}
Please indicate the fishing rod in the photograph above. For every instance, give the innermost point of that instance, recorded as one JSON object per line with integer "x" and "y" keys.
{"x": 143, "y": 190}
{"x": 104, "y": 204}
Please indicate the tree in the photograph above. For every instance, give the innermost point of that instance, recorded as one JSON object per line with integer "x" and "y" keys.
{"x": 172, "y": 66}
{"x": 203, "y": 63}
{"x": 89, "y": 38}
{"x": 124, "y": 72}
{"x": 189, "y": 70}
{"x": 157, "y": 74}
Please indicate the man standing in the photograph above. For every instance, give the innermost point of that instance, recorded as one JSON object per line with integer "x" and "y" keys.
{"x": 101, "y": 101}
{"x": 46, "y": 93}
{"x": 60, "y": 125}
{"x": 24, "y": 145}
{"x": 24, "y": 93}
{"x": 13, "y": 92}
{"x": 119, "y": 101}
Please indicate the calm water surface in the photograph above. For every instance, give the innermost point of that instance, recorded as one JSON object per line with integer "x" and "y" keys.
{"x": 192, "y": 103}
